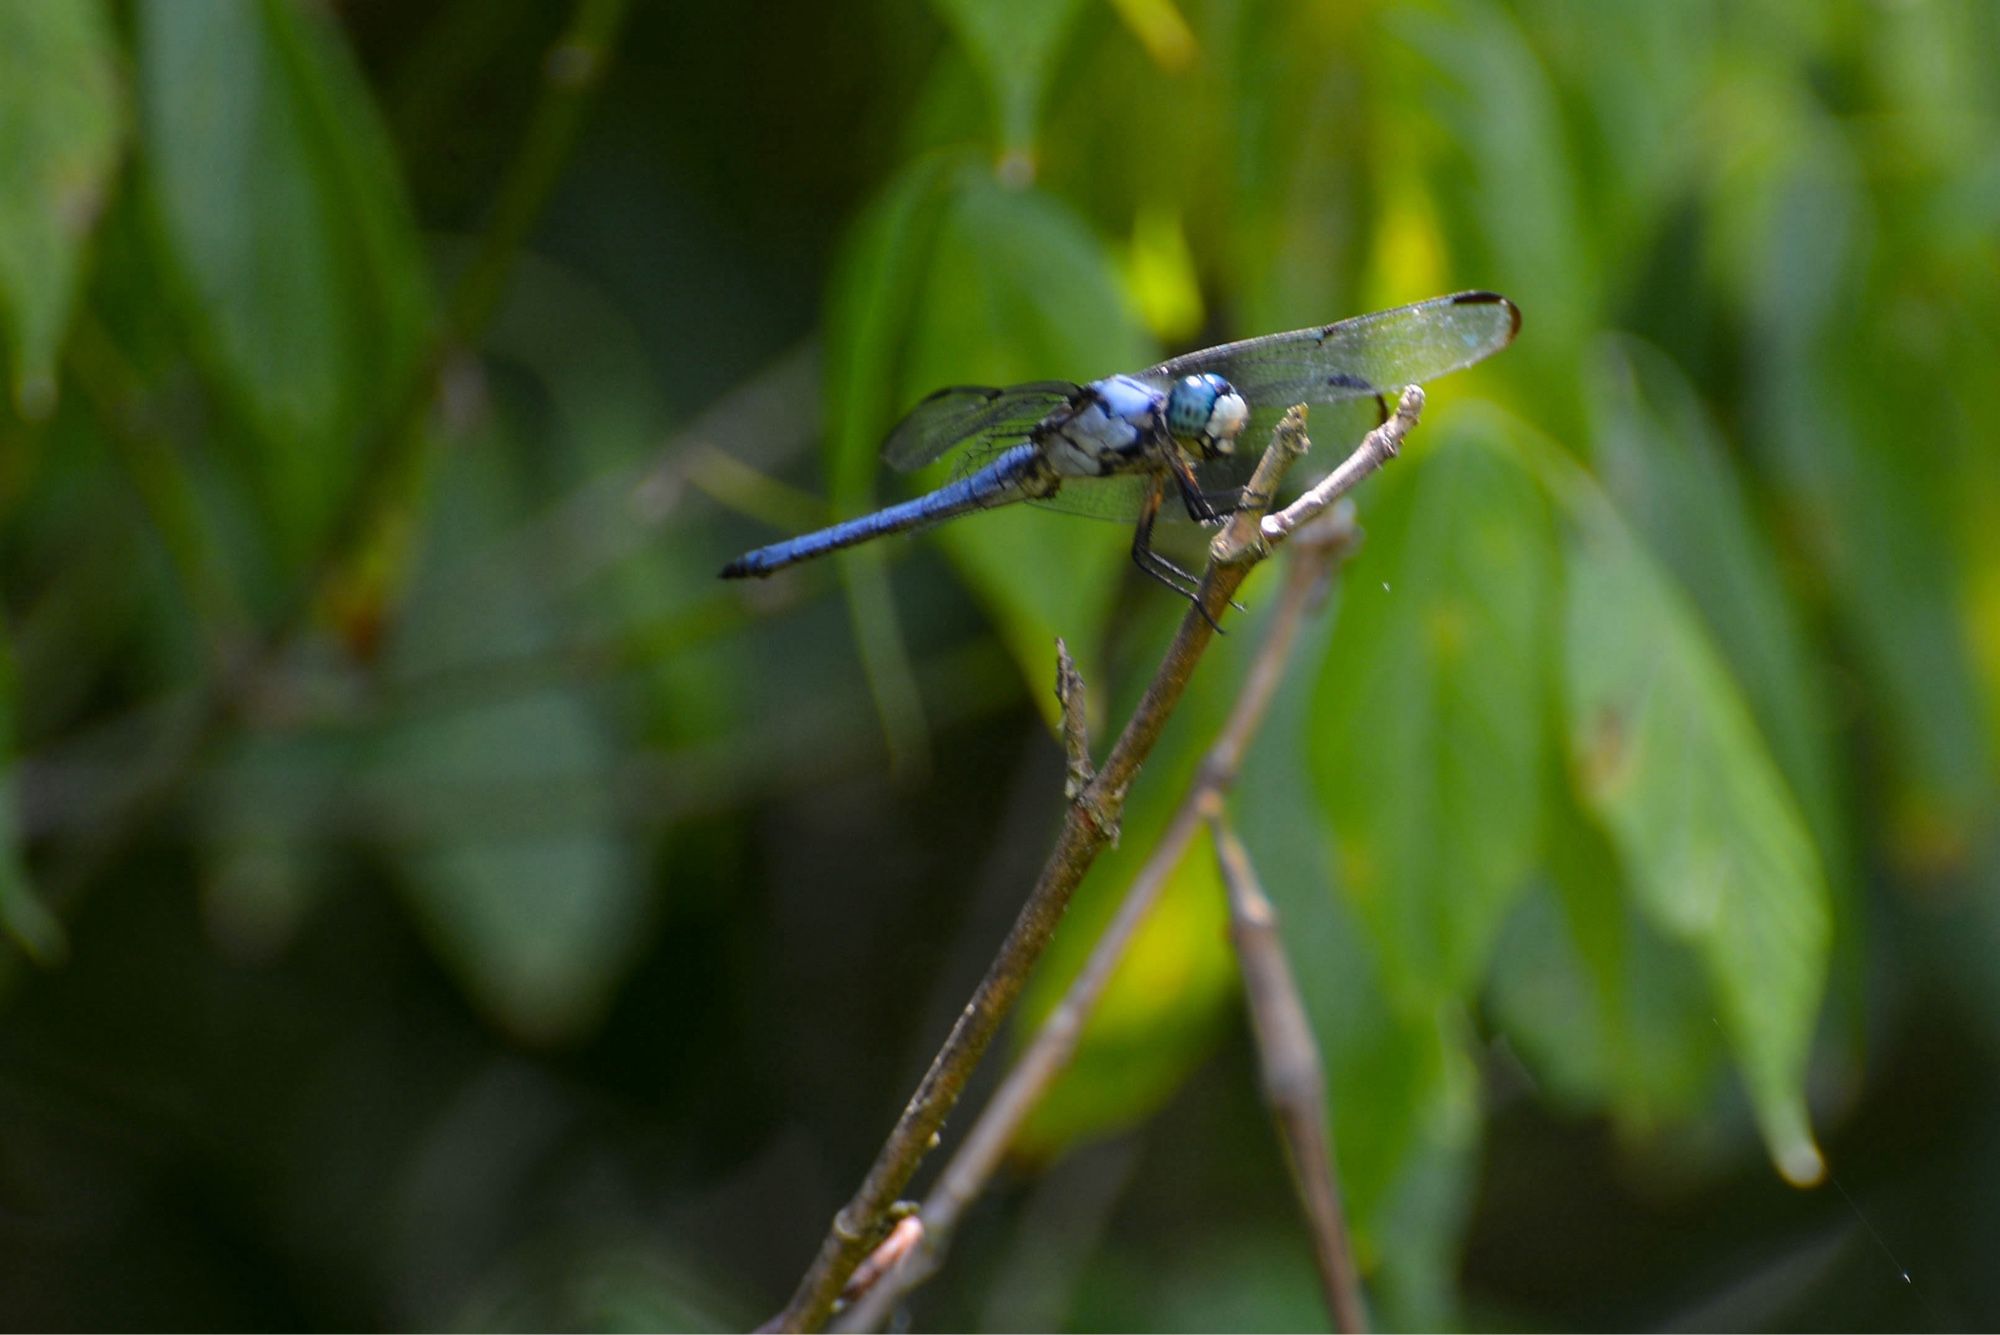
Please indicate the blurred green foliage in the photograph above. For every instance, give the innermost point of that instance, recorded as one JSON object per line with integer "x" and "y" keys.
{"x": 433, "y": 899}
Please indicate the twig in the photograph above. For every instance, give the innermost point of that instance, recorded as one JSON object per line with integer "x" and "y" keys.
{"x": 905, "y": 1235}
{"x": 1380, "y": 446}
{"x": 1294, "y": 1080}
{"x": 1075, "y": 735}
{"x": 975, "y": 1162}
{"x": 1089, "y": 826}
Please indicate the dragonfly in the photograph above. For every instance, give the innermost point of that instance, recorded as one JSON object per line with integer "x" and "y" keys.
{"x": 1122, "y": 445}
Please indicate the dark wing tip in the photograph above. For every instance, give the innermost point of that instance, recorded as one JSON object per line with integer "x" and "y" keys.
{"x": 1492, "y": 299}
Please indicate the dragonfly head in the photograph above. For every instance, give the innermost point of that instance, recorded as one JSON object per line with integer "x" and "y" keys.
{"x": 1208, "y": 412}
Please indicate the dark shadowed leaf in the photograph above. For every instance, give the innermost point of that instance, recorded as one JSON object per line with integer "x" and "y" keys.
{"x": 23, "y": 917}
{"x": 497, "y": 797}
{"x": 283, "y": 217}
{"x": 527, "y": 892}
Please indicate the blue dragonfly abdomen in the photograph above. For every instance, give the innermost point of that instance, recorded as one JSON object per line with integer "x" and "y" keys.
{"x": 1016, "y": 474}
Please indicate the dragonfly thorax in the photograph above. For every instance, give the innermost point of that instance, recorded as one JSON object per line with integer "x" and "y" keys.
{"x": 1208, "y": 412}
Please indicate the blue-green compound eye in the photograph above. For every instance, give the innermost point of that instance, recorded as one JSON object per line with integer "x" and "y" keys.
{"x": 1190, "y": 403}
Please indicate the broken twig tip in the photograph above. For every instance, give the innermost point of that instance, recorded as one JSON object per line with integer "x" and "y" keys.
{"x": 1075, "y": 731}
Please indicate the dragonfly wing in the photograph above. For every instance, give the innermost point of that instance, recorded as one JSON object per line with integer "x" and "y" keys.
{"x": 1364, "y": 357}
{"x": 1119, "y": 497}
{"x": 971, "y": 412}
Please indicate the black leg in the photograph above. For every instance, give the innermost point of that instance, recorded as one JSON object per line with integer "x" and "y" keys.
{"x": 1228, "y": 500}
{"x": 1192, "y": 496}
{"x": 1159, "y": 568}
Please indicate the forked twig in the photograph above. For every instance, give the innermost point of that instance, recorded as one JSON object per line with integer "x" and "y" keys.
{"x": 1377, "y": 448}
{"x": 1089, "y": 826}
{"x": 1055, "y": 1042}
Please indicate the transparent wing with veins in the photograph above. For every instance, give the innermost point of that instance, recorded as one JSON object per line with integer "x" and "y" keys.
{"x": 982, "y": 417}
{"x": 1351, "y": 362}
{"x": 980, "y": 421}
{"x": 1367, "y": 357}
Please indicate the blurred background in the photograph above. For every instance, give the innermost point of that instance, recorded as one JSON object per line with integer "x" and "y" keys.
{"x": 433, "y": 899}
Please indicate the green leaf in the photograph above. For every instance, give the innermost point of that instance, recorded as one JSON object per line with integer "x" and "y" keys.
{"x": 1609, "y": 1012}
{"x": 1432, "y": 705}
{"x": 1014, "y": 48}
{"x": 1714, "y": 847}
{"x": 1666, "y": 468}
{"x": 1401, "y": 1092}
{"x": 280, "y": 209}
{"x": 1640, "y": 72}
{"x": 62, "y": 120}
{"x": 499, "y": 798}
{"x": 504, "y": 816}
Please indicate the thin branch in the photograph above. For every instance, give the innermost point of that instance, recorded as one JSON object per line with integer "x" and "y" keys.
{"x": 1294, "y": 1079}
{"x": 1329, "y": 537}
{"x": 1380, "y": 446}
{"x": 909, "y": 1230}
{"x": 1075, "y": 735}
{"x": 1088, "y": 828}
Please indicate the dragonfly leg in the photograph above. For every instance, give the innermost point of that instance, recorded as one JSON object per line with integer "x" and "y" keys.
{"x": 1157, "y": 567}
{"x": 1228, "y": 500}
{"x": 1199, "y": 503}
